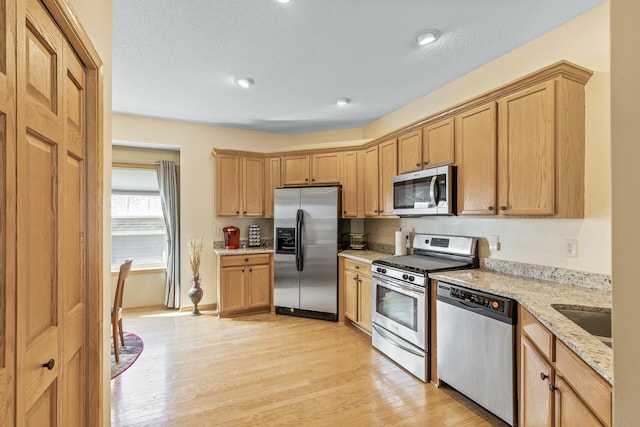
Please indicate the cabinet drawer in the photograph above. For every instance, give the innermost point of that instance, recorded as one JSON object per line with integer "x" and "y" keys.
{"x": 537, "y": 333}
{"x": 591, "y": 387}
{"x": 360, "y": 267}
{"x": 229, "y": 260}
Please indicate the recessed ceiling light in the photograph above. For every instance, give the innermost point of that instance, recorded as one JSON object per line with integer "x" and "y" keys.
{"x": 343, "y": 101}
{"x": 427, "y": 37}
{"x": 283, "y": 1}
{"x": 245, "y": 82}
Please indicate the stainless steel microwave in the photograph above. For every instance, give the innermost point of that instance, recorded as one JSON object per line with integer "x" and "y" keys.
{"x": 426, "y": 192}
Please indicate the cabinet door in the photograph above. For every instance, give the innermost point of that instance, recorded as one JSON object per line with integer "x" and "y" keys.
{"x": 476, "y": 134}
{"x": 232, "y": 281}
{"x": 526, "y": 151}
{"x": 350, "y": 185}
{"x": 296, "y": 170}
{"x": 273, "y": 180}
{"x": 438, "y": 148}
{"x": 258, "y": 286}
{"x": 410, "y": 152}
{"x": 351, "y": 295}
{"x": 371, "y": 180}
{"x": 388, "y": 162}
{"x": 252, "y": 186}
{"x": 325, "y": 168}
{"x": 364, "y": 305}
{"x": 570, "y": 409}
{"x": 536, "y": 400}
{"x": 227, "y": 185}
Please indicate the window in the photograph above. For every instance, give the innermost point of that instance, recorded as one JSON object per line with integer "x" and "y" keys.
{"x": 137, "y": 221}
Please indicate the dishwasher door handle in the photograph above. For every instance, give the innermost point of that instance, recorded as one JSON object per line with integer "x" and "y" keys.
{"x": 392, "y": 341}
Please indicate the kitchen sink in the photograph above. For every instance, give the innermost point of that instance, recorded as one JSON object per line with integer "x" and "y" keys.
{"x": 595, "y": 320}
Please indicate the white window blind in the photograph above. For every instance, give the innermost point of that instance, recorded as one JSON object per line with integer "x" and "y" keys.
{"x": 137, "y": 222}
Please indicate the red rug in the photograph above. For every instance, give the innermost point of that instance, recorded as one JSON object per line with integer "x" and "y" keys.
{"x": 133, "y": 346}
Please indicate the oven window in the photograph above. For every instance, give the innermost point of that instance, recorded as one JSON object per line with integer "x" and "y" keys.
{"x": 398, "y": 307}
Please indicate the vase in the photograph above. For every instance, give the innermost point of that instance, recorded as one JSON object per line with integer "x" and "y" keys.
{"x": 195, "y": 294}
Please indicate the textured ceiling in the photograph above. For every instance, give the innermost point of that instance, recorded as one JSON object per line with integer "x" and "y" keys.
{"x": 178, "y": 60}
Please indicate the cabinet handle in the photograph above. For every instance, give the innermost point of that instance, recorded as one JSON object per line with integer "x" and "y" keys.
{"x": 552, "y": 388}
{"x": 357, "y": 267}
{"x": 490, "y": 208}
{"x": 313, "y": 179}
{"x": 418, "y": 164}
{"x": 543, "y": 376}
{"x": 49, "y": 365}
{"x": 250, "y": 270}
{"x": 243, "y": 270}
{"x": 246, "y": 260}
{"x": 426, "y": 163}
{"x": 503, "y": 208}
{"x": 306, "y": 179}
{"x": 237, "y": 212}
{"x": 355, "y": 278}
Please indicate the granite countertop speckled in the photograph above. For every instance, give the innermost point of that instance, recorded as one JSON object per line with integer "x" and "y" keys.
{"x": 537, "y": 296}
{"x": 244, "y": 251}
{"x": 363, "y": 255}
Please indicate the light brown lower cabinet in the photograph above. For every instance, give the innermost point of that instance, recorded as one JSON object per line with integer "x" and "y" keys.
{"x": 557, "y": 388}
{"x": 357, "y": 293}
{"x": 244, "y": 284}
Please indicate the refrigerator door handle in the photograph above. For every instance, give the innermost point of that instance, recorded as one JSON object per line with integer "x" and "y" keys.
{"x": 299, "y": 239}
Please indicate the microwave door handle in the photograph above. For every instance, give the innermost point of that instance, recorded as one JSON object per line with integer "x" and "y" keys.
{"x": 432, "y": 191}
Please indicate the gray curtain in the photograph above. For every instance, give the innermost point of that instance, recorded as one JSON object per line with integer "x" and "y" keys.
{"x": 168, "y": 183}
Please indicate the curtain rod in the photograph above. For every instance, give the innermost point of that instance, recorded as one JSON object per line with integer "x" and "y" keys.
{"x": 134, "y": 165}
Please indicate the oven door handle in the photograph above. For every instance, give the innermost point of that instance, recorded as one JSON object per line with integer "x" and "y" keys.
{"x": 389, "y": 338}
{"x": 399, "y": 287}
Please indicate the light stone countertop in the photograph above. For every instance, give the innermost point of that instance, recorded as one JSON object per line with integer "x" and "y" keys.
{"x": 537, "y": 296}
{"x": 365, "y": 256}
{"x": 244, "y": 251}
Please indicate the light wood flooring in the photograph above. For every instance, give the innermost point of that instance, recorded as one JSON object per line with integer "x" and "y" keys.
{"x": 268, "y": 370}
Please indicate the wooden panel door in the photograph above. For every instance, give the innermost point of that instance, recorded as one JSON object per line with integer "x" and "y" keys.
{"x": 51, "y": 350}
{"x": 232, "y": 280}
{"x": 350, "y": 172}
{"x": 410, "y": 152}
{"x": 371, "y": 181}
{"x": 295, "y": 170}
{"x": 388, "y": 162}
{"x": 252, "y": 186}
{"x": 570, "y": 410}
{"x": 536, "y": 400}
{"x": 364, "y": 303}
{"x": 7, "y": 211}
{"x": 273, "y": 180}
{"x": 325, "y": 168}
{"x": 258, "y": 285}
{"x": 438, "y": 142}
{"x": 227, "y": 184}
{"x": 476, "y": 136}
{"x": 526, "y": 151}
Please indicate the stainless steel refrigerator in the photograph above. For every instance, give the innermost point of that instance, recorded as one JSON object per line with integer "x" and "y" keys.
{"x": 308, "y": 234}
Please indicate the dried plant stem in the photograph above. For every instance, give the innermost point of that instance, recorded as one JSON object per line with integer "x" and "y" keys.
{"x": 195, "y": 251}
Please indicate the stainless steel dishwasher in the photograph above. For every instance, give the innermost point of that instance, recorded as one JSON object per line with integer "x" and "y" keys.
{"x": 476, "y": 347}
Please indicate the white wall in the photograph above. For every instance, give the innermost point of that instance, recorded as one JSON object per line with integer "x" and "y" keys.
{"x": 584, "y": 41}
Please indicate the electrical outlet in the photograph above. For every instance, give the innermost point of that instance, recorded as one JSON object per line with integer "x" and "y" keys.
{"x": 494, "y": 243}
{"x": 571, "y": 248}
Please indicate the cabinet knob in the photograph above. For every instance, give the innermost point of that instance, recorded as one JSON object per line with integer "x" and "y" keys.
{"x": 503, "y": 208}
{"x": 552, "y": 388}
{"x": 237, "y": 212}
{"x": 418, "y": 164}
{"x": 243, "y": 270}
{"x": 306, "y": 179}
{"x": 250, "y": 270}
{"x": 490, "y": 208}
{"x": 246, "y": 260}
{"x": 49, "y": 365}
{"x": 426, "y": 163}
{"x": 313, "y": 179}
{"x": 345, "y": 212}
{"x": 543, "y": 376}
{"x": 357, "y": 267}
{"x": 355, "y": 278}
{"x": 244, "y": 212}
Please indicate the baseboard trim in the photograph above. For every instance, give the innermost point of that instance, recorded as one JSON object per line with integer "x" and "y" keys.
{"x": 201, "y": 307}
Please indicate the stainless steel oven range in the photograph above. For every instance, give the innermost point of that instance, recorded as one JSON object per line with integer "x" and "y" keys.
{"x": 400, "y": 297}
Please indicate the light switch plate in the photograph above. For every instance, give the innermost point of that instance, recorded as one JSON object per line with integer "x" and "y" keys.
{"x": 494, "y": 242}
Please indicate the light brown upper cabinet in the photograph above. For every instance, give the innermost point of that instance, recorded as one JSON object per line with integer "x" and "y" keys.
{"x": 295, "y": 170}
{"x": 380, "y": 166}
{"x": 541, "y": 150}
{"x": 351, "y": 179}
{"x": 476, "y": 138}
{"x": 425, "y": 148}
{"x": 325, "y": 168}
{"x": 239, "y": 185}
{"x": 272, "y": 180}
{"x": 311, "y": 169}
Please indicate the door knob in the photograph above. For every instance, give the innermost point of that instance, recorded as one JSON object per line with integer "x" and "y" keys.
{"x": 50, "y": 364}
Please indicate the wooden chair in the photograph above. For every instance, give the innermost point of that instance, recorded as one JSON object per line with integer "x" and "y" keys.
{"x": 116, "y": 308}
